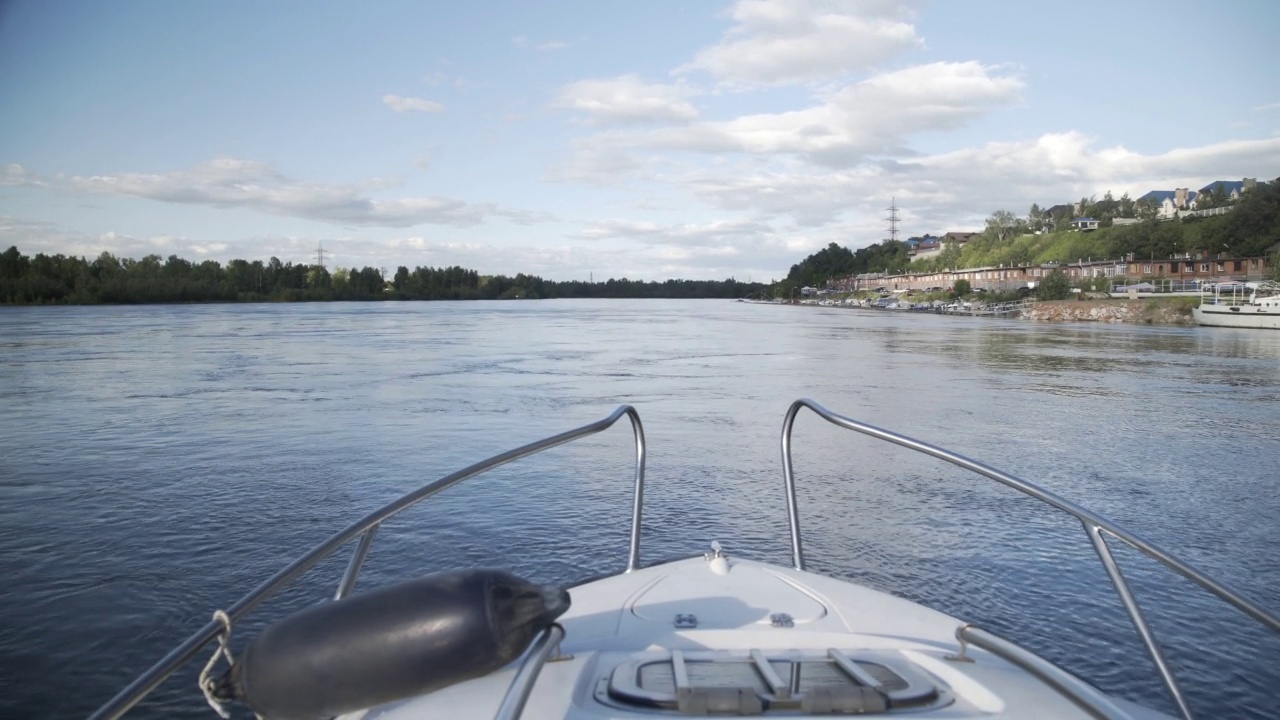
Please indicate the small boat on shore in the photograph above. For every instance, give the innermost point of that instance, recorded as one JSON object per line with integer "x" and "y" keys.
{"x": 712, "y": 634}
{"x": 1240, "y": 305}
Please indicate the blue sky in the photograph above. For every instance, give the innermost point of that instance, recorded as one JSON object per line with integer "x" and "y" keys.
{"x": 647, "y": 140}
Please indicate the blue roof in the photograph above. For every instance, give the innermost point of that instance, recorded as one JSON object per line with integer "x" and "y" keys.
{"x": 1226, "y": 187}
{"x": 1159, "y": 196}
{"x": 1084, "y": 219}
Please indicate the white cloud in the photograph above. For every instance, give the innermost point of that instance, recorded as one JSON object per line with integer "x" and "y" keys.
{"x": 209, "y": 248}
{"x": 723, "y": 248}
{"x": 10, "y": 226}
{"x": 956, "y": 190}
{"x": 720, "y": 233}
{"x": 627, "y": 99}
{"x": 788, "y": 41}
{"x": 235, "y": 183}
{"x": 14, "y": 175}
{"x": 34, "y": 236}
{"x": 809, "y": 196}
{"x": 1066, "y": 166}
{"x": 411, "y": 104}
{"x": 37, "y": 236}
{"x": 874, "y": 117}
{"x": 556, "y": 261}
{"x": 1269, "y": 106}
{"x": 595, "y": 161}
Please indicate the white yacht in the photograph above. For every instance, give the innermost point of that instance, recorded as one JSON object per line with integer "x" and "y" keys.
{"x": 1240, "y": 305}
{"x": 712, "y": 634}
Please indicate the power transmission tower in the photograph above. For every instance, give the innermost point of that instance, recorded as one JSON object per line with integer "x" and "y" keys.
{"x": 320, "y": 254}
{"x": 893, "y": 220}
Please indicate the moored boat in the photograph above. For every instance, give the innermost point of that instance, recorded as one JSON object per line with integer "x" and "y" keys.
{"x": 709, "y": 634}
{"x": 1240, "y": 305}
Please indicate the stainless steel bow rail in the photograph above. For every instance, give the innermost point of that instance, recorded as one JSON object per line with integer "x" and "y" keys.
{"x": 1095, "y": 526}
{"x": 548, "y": 641}
{"x": 366, "y": 528}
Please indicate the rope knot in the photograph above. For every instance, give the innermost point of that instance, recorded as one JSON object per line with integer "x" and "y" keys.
{"x": 207, "y": 683}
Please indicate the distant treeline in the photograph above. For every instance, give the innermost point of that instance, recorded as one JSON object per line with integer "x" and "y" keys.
{"x": 839, "y": 261}
{"x": 75, "y": 280}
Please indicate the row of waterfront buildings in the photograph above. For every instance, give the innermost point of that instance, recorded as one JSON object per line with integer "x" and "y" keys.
{"x": 1203, "y": 266}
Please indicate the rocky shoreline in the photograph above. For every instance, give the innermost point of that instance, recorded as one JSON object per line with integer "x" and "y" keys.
{"x": 1163, "y": 311}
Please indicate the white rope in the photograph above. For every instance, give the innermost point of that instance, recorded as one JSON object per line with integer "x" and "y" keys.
{"x": 208, "y": 684}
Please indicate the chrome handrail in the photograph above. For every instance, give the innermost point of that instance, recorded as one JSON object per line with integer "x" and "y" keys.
{"x": 365, "y": 529}
{"x": 547, "y": 642}
{"x": 1084, "y": 695}
{"x": 1094, "y": 525}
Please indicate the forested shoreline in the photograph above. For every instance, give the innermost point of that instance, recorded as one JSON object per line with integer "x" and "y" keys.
{"x": 70, "y": 280}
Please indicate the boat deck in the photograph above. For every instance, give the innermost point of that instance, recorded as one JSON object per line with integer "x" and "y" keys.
{"x": 723, "y": 619}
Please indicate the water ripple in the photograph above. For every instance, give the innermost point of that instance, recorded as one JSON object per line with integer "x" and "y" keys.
{"x": 156, "y": 463}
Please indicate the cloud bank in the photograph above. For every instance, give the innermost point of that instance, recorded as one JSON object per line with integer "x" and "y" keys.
{"x": 776, "y": 42}
{"x": 238, "y": 183}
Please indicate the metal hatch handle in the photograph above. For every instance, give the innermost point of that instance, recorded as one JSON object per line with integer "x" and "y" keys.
{"x": 1094, "y": 525}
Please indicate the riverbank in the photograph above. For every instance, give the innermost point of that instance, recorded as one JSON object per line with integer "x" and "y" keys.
{"x": 1145, "y": 311}
{"x": 1152, "y": 311}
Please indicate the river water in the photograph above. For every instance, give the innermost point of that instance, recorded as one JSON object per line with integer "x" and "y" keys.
{"x": 157, "y": 462}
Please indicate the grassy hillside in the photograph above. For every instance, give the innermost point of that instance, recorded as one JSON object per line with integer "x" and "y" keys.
{"x": 1251, "y": 229}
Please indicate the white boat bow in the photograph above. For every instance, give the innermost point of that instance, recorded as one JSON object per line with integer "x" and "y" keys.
{"x": 712, "y": 634}
{"x": 758, "y": 639}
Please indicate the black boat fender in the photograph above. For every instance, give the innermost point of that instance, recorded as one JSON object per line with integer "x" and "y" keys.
{"x": 391, "y": 643}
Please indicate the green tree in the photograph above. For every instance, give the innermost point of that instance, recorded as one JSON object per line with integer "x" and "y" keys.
{"x": 1003, "y": 225}
{"x": 339, "y": 280}
{"x": 1125, "y": 207}
{"x": 1036, "y": 218}
{"x": 962, "y": 288}
{"x": 1211, "y": 198}
{"x": 1054, "y": 286}
{"x": 13, "y": 264}
{"x": 317, "y": 277}
{"x": 1146, "y": 209}
{"x": 949, "y": 258}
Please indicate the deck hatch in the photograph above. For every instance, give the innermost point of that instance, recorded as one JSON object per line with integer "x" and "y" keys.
{"x": 808, "y": 681}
